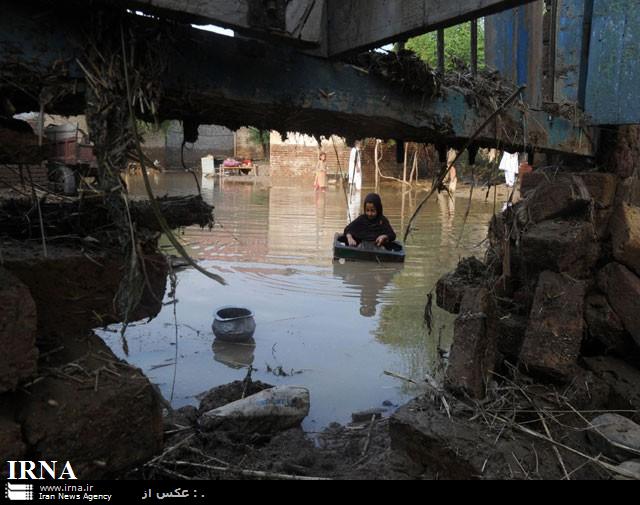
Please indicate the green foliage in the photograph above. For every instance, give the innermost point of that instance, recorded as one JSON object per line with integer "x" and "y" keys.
{"x": 457, "y": 46}
{"x": 260, "y": 137}
{"x": 145, "y": 128}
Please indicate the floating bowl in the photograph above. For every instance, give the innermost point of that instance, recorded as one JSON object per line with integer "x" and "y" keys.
{"x": 234, "y": 325}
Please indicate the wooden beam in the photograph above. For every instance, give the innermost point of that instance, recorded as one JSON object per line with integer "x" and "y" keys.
{"x": 357, "y": 25}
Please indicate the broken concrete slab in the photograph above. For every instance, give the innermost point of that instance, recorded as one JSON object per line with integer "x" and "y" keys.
{"x": 605, "y": 328}
{"x": 622, "y": 288}
{"x": 602, "y": 187}
{"x": 625, "y": 233}
{"x": 12, "y": 447}
{"x": 565, "y": 196}
{"x": 569, "y": 247}
{"x": 511, "y": 330}
{"x": 556, "y": 328}
{"x": 531, "y": 181}
{"x": 602, "y": 223}
{"x": 18, "y": 332}
{"x": 470, "y": 273}
{"x": 270, "y": 411}
{"x": 615, "y": 436}
{"x": 623, "y": 380}
{"x": 473, "y": 353}
{"x": 99, "y": 413}
{"x": 628, "y": 192}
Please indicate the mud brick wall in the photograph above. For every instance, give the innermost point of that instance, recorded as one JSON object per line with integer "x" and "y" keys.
{"x": 18, "y": 177}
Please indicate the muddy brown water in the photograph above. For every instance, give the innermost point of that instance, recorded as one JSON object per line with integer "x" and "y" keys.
{"x": 334, "y": 328}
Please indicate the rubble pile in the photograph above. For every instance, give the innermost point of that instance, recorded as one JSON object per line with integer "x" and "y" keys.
{"x": 557, "y": 306}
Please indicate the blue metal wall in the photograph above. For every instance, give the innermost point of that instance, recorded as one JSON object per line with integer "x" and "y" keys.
{"x": 612, "y": 93}
{"x": 595, "y": 62}
{"x": 514, "y": 47}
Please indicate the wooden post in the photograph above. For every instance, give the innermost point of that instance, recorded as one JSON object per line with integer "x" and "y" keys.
{"x": 441, "y": 50}
{"x": 377, "y": 162}
{"x": 406, "y": 156}
{"x": 474, "y": 47}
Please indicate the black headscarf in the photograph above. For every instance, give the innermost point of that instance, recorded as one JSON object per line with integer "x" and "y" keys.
{"x": 365, "y": 230}
{"x": 374, "y": 199}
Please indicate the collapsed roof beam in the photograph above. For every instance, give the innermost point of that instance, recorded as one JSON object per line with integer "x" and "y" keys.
{"x": 211, "y": 79}
{"x": 358, "y": 25}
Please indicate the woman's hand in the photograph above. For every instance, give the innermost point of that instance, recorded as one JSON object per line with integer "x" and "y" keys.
{"x": 351, "y": 241}
{"x": 382, "y": 240}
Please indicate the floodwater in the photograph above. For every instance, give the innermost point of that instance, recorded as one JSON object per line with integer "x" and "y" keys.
{"x": 334, "y": 328}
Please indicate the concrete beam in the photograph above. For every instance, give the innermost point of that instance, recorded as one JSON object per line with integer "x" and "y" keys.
{"x": 212, "y": 79}
{"x": 297, "y": 21}
{"x": 358, "y": 25}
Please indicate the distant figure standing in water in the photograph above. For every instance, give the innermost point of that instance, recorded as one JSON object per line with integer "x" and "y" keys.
{"x": 320, "y": 184}
{"x": 372, "y": 226}
{"x": 451, "y": 179}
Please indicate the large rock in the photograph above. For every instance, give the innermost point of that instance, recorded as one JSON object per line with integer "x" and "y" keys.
{"x": 556, "y": 327}
{"x": 622, "y": 288}
{"x": 623, "y": 380}
{"x": 560, "y": 246}
{"x": 102, "y": 425}
{"x": 451, "y": 288}
{"x": 270, "y": 411}
{"x": 605, "y": 328}
{"x": 615, "y": 436}
{"x": 566, "y": 196}
{"x": 473, "y": 354}
{"x": 625, "y": 233}
{"x": 18, "y": 331}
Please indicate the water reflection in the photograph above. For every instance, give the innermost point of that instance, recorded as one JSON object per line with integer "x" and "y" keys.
{"x": 370, "y": 279}
{"x": 234, "y": 356}
{"x": 344, "y": 325}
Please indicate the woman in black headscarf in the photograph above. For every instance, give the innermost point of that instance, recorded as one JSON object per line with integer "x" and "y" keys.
{"x": 372, "y": 226}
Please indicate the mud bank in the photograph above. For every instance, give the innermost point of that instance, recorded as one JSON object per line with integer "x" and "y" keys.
{"x": 64, "y": 394}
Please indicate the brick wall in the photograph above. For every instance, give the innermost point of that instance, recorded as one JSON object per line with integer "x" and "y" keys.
{"x": 289, "y": 160}
{"x": 299, "y": 154}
